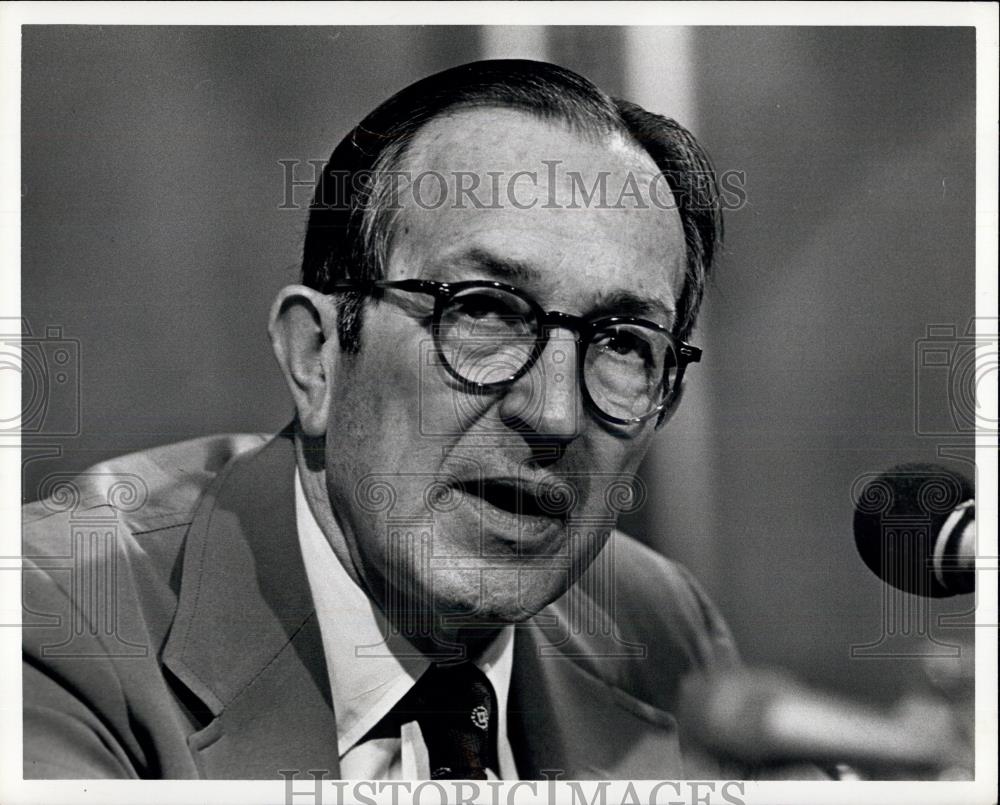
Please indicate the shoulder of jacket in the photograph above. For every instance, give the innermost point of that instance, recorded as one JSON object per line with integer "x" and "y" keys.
{"x": 666, "y": 591}
{"x": 144, "y": 491}
{"x": 115, "y": 531}
{"x": 639, "y": 621}
{"x": 643, "y": 574}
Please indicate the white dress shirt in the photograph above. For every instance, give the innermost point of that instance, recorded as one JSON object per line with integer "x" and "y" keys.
{"x": 371, "y": 667}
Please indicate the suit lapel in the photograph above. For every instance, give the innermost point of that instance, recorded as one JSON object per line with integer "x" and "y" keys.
{"x": 245, "y": 639}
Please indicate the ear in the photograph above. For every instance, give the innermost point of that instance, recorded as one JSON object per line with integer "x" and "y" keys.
{"x": 302, "y": 327}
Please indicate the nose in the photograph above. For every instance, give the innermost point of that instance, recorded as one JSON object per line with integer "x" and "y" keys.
{"x": 545, "y": 405}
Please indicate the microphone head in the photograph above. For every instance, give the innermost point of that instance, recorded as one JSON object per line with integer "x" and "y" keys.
{"x": 898, "y": 517}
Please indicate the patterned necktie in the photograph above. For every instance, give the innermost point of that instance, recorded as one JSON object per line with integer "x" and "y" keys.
{"x": 455, "y": 707}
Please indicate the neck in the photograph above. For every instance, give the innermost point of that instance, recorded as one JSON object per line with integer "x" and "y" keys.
{"x": 441, "y": 644}
{"x": 309, "y": 454}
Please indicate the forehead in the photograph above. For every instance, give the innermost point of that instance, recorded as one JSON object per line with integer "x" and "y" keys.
{"x": 576, "y": 217}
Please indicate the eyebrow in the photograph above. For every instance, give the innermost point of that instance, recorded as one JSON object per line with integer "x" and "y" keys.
{"x": 496, "y": 267}
{"x": 626, "y": 303}
{"x": 615, "y": 302}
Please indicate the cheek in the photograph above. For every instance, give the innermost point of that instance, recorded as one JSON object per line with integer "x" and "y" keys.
{"x": 611, "y": 453}
{"x": 394, "y": 402}
{"x": 399, "y": 354}
{"x": 635, "y": 451}
{"x": 421, "y": 400}
{"x": 381, "y": 385}
{"x": 608, "y": 467}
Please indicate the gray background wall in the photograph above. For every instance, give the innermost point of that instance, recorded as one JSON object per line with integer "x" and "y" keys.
{"x": 153, "y": 235}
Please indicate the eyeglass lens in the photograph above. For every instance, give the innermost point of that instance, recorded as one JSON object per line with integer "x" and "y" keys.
{"x": 488, "y": 335}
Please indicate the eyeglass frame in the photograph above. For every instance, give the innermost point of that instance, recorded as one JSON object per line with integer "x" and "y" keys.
{"x": 583, "y": 327}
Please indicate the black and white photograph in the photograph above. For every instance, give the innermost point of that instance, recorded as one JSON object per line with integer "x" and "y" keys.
{"x": 499, "y": 403}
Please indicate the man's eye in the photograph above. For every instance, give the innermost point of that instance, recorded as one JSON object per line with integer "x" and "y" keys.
{"x": 479, "y": 306}
{"x": 624, "y": 344}
{"x": 619, "y": 345}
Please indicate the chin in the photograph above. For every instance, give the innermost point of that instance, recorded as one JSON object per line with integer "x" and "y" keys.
{"x": 498, "y": 597}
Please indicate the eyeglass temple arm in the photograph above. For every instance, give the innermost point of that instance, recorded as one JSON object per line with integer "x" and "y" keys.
{"x": 419, "y": 286}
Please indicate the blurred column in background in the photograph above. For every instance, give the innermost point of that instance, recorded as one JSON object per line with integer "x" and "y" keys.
{"x": 679, "y": 518}
{"x": 514, "y": 42}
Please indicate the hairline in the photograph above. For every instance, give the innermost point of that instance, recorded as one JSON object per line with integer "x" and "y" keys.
{"x": 378, "y": 228}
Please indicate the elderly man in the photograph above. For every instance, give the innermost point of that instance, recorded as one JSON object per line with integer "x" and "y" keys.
{"x": 421, "y": 577}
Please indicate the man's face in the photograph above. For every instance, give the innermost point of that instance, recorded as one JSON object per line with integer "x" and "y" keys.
{"x": 443, "y": 494}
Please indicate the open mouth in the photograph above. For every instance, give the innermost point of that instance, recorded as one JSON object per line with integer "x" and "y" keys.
{"x": 516, "y": 498}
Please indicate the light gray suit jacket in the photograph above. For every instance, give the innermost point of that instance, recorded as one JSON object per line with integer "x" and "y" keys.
{"x": 170, "y": 633}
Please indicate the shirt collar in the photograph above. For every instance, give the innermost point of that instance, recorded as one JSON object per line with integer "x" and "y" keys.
{"x": 371, "y": 667}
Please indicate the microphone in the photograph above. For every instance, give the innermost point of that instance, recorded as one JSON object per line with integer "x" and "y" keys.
{"x": 915, "y": 528}
{"x": 767, "y": 718}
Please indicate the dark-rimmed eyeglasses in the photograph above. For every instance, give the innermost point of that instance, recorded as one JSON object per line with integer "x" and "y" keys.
{"x": 488, "y": 335}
